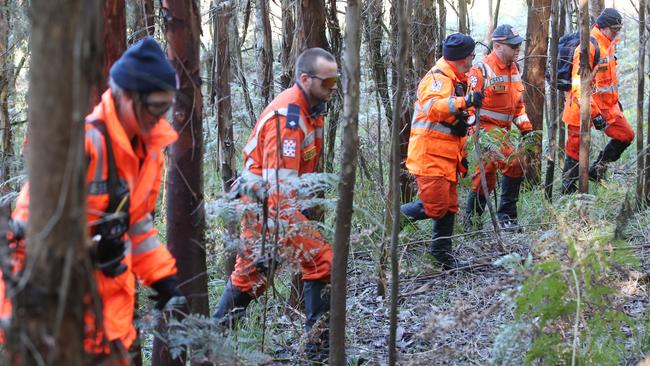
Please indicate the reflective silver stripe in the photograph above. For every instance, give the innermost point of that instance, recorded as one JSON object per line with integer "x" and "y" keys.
{"x": 141, "y": 227}
{"x": 282, "y": 173}
{"x": 428, "y": 105}
{"x": 309, "y": 139}
{"x": 97, "y": 139}
{"x": 128, "y": 247}
{"x": 521, "y": 119}
{"x": 516, "y": 78}
{"x": 432, "y": 126}
{"x": 607, "y": 89}
{"x": 451, "y": 103}
{"x": 603, "y": 60}
{"x": 495, "y": 115}
{"x": 249, "y": 163}
{"x": 303, "y": 125}
{"x": 252, "y": 144}
{"x": 146, "y": 245}
{"x": 496, "y": 79}
{"x": 320, "y": 132}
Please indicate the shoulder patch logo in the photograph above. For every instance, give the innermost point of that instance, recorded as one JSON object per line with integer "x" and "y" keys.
{"x": 293, "y": 116}
{"x": 436, "y": 85}
{"x": 473, "y": 80}
{"x": 289, "y": 148}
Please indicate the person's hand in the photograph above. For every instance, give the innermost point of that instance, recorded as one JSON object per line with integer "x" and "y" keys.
{"x": 474, "y": 99}
{"x": 167, "y": 294}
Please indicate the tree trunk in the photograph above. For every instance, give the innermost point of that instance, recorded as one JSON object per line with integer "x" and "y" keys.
{"x": 424, "y": 36}
{"x": 493, "y": 21}
{"x": 310, "y": 26}
{"x": 223, "y": 102}
{"x": 561, "y": 128}
{"x": 463, "y": 18}
{"x": 585, "y": 96}
{"x": 553, "y": 118}
{"x": 264, "y": 51}
{"x": 6, "y": 81}
{"x": 114, "y": 39}
{"x": 646, "y": 184}
{"x": 235, "y": 50}
{"x": 352, "y": 72}
{"x": 145, "y": 23}
{"x": 335, "y": 103}
{"x": 442, "y": 27}
{"x": 403, "y": 8}
{"x": 288, "y": 29}
{"x": 185, "y": 211}
{"x": 639, "y": 102}
{"x": 533, "y": 76}
{"x": 595, "y": 8}
{"x": 57, "y": 255}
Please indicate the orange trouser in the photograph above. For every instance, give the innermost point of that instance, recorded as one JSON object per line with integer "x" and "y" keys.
{"x": 619, "y": 130}
{"x": 438, "y": 195}
{"x": 301, "y": 244}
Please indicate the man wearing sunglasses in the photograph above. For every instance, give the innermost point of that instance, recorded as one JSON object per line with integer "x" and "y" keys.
{"x": 124, "y": 140}
{"x": 436, "y": 145}
{"x": 285, "y": 144}
{"x": 497, "y": 75}
{"x": 606, "y": 110}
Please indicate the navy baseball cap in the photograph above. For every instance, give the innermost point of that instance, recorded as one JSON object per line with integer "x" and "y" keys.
{"x": 505, "y": 33}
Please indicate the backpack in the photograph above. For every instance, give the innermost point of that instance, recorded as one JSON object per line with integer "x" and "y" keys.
{"x": 566, "y": 46}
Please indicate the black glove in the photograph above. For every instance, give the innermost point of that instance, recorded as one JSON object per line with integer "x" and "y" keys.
{"x": 465, "y": 163}
{"x": 474, "y": 99}
{"x": 166, "y": 289}
{"x": 599, "y": 122}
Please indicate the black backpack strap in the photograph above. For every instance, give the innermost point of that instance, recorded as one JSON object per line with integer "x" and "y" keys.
{"x": 597, "y": 53}
{"x": 113, "y": 179}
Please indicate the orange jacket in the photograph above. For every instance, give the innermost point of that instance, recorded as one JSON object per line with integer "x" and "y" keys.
{"x": 433, "y": 151}
{"x": 503, "y": 89}
{"x": 146, "y": 257}
{"x": 604, "y": 99}
{"x": 287, "y": 140}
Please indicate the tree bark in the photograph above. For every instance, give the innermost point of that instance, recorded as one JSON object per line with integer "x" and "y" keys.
{"x": 185, "y": 211}
{"x": 493, "y": 21}
{"x": 57, "y": 266}
{"x": 442, "y": 27}
{"x": 6, "y": 82}
{"x": 352, "y": 72}
{"x": 553, "y": 118}
{"x": 585, "y": 96}
{"x": 145, "y": 23}
{"x": 533, "y": 76}
{"x": 310, "y": 26}
{"x": 114, "y": 39}
{"x": 561, "y": 128}
{"x": 288, "y": 29}
{"x": 403, "y": 8}
{"x": 424, "y": 36}
{"x": 222, "y": 101}
{"x": 335, "y": 104}
{"x": 639, "y": 102}
{"x": 646, "y": 183}
{"x": 595, "y": 8}
{"x": 264, "y": 51}
{"x": 463, "y": 18}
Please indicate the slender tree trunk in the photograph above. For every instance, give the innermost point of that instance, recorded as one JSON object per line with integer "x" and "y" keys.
{"x": 185, "y": 211}
{"x": 595, "y": 8}
{"x": 463, "y": 18}
{"x": 553, "y": 118}
{"x": 6, "y": 81}
{"x": 57, "y": 261}
{"x": 442, "y": 27}
{"x": 646, "y": 184}
{"x": 335, "y": 104}
{"x": 235, "y": 50}
{"x": 561, "y": 128}
{"x": 222, "y": 101}
{"x": 352, "y": 73}
{"x": 403, "y": 8}
{"x": 264, "y": 51}
{"x": 247, "y": 17}
{"x": 533, "y": 76}
{"x": 288, "y": 29}
{"x": 145, "y": 24}
{"x": 639, "y": 102}
{"x": 585, "y": 96}
{"x": 493, "y": 21}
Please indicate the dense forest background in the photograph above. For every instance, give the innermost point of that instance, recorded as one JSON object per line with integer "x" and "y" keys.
{"x": 571, "y": 289}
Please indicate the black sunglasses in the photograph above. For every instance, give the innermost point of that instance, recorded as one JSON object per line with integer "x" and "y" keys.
{"x": 155, "y": 109}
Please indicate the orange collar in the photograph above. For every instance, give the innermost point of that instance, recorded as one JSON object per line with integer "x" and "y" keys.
{"x": 493, "y": 59}
{"x": 602, "y": 39}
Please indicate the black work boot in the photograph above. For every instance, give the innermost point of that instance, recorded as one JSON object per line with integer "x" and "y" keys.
{"x": 507, "y": 211}
{"x": 569, "y": 175}
{"x": 411, "y": 212}
{"x": 317, "y": 306}
{"x": 473, "y": 212}
{"x": 440, "y": 247}
{"x": 232, "y": 305}
{"x": 610, "y": 153}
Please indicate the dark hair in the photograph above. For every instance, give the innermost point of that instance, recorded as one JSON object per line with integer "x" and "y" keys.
{"x": 306, "y": 61}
